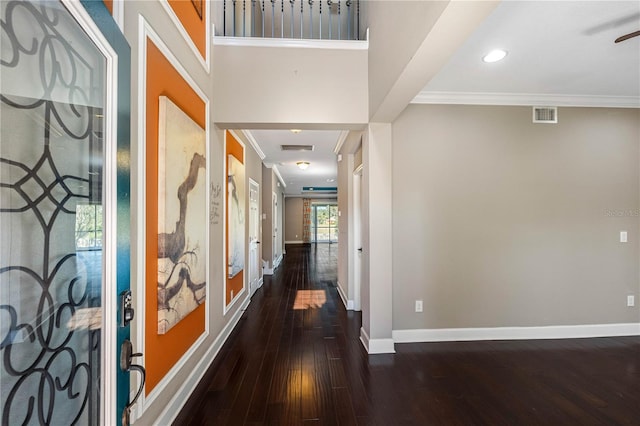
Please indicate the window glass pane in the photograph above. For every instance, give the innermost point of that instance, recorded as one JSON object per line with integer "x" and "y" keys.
{"x": 322, "y": 215}
{"x": 323, "y": 234}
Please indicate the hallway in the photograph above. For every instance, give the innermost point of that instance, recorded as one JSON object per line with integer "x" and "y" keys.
{"x": 295, "y": 358}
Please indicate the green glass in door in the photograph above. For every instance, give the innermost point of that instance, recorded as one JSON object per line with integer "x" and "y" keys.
{"x": 59, "y": 213}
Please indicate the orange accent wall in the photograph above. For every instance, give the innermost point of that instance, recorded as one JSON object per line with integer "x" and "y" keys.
{"x": 195, "y": 26}
{"x": 163, "y": 351}
{"x": 109, "y": 4}
{"x": 233, "y": 147}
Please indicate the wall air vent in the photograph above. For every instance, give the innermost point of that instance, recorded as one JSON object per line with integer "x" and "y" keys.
{"x": 545, "y": 115}
{"x": 296, "y": 147}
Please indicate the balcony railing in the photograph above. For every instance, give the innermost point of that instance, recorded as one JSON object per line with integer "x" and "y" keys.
{"x": 293, "y": 19}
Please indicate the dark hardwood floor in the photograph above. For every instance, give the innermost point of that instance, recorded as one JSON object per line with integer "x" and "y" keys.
{"x": 288, "y": 364}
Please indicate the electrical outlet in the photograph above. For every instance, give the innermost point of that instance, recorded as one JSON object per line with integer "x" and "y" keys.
{"x": 418, "y": 305}
{"x": 623, "y": 236}
{"x": 631, "y": 300}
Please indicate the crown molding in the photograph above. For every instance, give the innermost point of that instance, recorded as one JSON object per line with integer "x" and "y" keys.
{"x": 525, "y": 99}
{"x": 254, "y": 144}
{"x": 341, "y": 139}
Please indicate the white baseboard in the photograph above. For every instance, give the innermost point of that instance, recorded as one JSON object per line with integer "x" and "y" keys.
{"x": 276, "y": 262}
{"x": 516, "y": 333}
{"x": 376, "y": 346}
{"x": 267, "y": 271}
{"x": 180, "y": 398}
{"x": 260, "y": 282}
{"x": 294, "y": 242}
{"x": 348, "y": 304}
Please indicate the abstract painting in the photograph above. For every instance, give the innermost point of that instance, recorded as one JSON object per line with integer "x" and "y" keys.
{"x": 235, "y": 183}
{"x": 182, "y": 215}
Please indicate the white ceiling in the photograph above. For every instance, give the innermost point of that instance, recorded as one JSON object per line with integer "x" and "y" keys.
{"x": 557, "y": 50}
{"x": 323, "y": 165}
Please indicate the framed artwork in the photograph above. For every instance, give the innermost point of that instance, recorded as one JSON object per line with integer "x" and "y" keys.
{"x": 182, "y": 215}
{"x": 236, "y": 215}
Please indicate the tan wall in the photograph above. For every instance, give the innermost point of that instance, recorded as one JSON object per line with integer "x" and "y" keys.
{"x": 346, "y": 248}
{"x": 293, "y": 213}
{"x": 501, "y": 222}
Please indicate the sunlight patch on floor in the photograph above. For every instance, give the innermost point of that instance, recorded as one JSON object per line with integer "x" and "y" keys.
{"x": 309, "y": 299}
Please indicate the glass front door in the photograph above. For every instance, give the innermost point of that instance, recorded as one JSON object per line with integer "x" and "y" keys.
{"x": 52, "y": 113}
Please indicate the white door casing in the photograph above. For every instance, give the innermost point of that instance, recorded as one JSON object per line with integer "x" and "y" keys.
{"x": 254, "y": 232}
{"x": 357, "y": 238}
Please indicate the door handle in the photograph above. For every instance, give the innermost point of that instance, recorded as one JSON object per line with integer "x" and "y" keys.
{"x": 126, "y": 356}
{"x": 360, "y": 249}
{"x": 257, "y": 242}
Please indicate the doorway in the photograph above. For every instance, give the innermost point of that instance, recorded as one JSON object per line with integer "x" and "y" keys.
{"x": 324, "y": 223}
{"x": 357, "y": 237}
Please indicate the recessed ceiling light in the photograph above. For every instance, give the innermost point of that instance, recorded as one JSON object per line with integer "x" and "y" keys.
{"x": 331, "y": 180}
{"x": 296, "y": 130}
{"x": 495, "y": 55}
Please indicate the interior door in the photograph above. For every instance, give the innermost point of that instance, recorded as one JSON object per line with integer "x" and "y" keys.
{"x": 254, "y": 229}
{"x": 64, "y": 212}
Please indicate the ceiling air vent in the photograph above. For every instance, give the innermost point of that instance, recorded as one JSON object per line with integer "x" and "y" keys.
{"x": 297, "y": 147}
{"x": 545, "y": 114}
{"x": 320, "y": 189}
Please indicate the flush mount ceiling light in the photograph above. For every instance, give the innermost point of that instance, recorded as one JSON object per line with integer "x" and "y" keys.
{"x": 303, "y": 164}
{"x": 296, "y": 130}
{"x": 495, "y": 55}
{"x": 331, "y": 180}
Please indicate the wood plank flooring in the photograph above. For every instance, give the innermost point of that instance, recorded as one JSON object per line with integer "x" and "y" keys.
{"x": 286, "y": 366}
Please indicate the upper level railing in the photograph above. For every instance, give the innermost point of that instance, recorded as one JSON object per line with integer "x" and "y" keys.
{"x": 293, "y": 19}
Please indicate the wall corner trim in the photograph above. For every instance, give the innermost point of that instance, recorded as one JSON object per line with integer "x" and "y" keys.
{"x": 348, "y": 304}
{"x": 376, "y": 346}
{"x": 516, "y": 333}
{"x": 180, "y": 398}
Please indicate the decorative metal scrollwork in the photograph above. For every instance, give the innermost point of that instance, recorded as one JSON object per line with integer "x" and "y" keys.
{"x": 50, "y": 369}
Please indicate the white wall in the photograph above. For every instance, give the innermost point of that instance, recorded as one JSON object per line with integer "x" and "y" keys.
{"x": 293, "y": 85}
